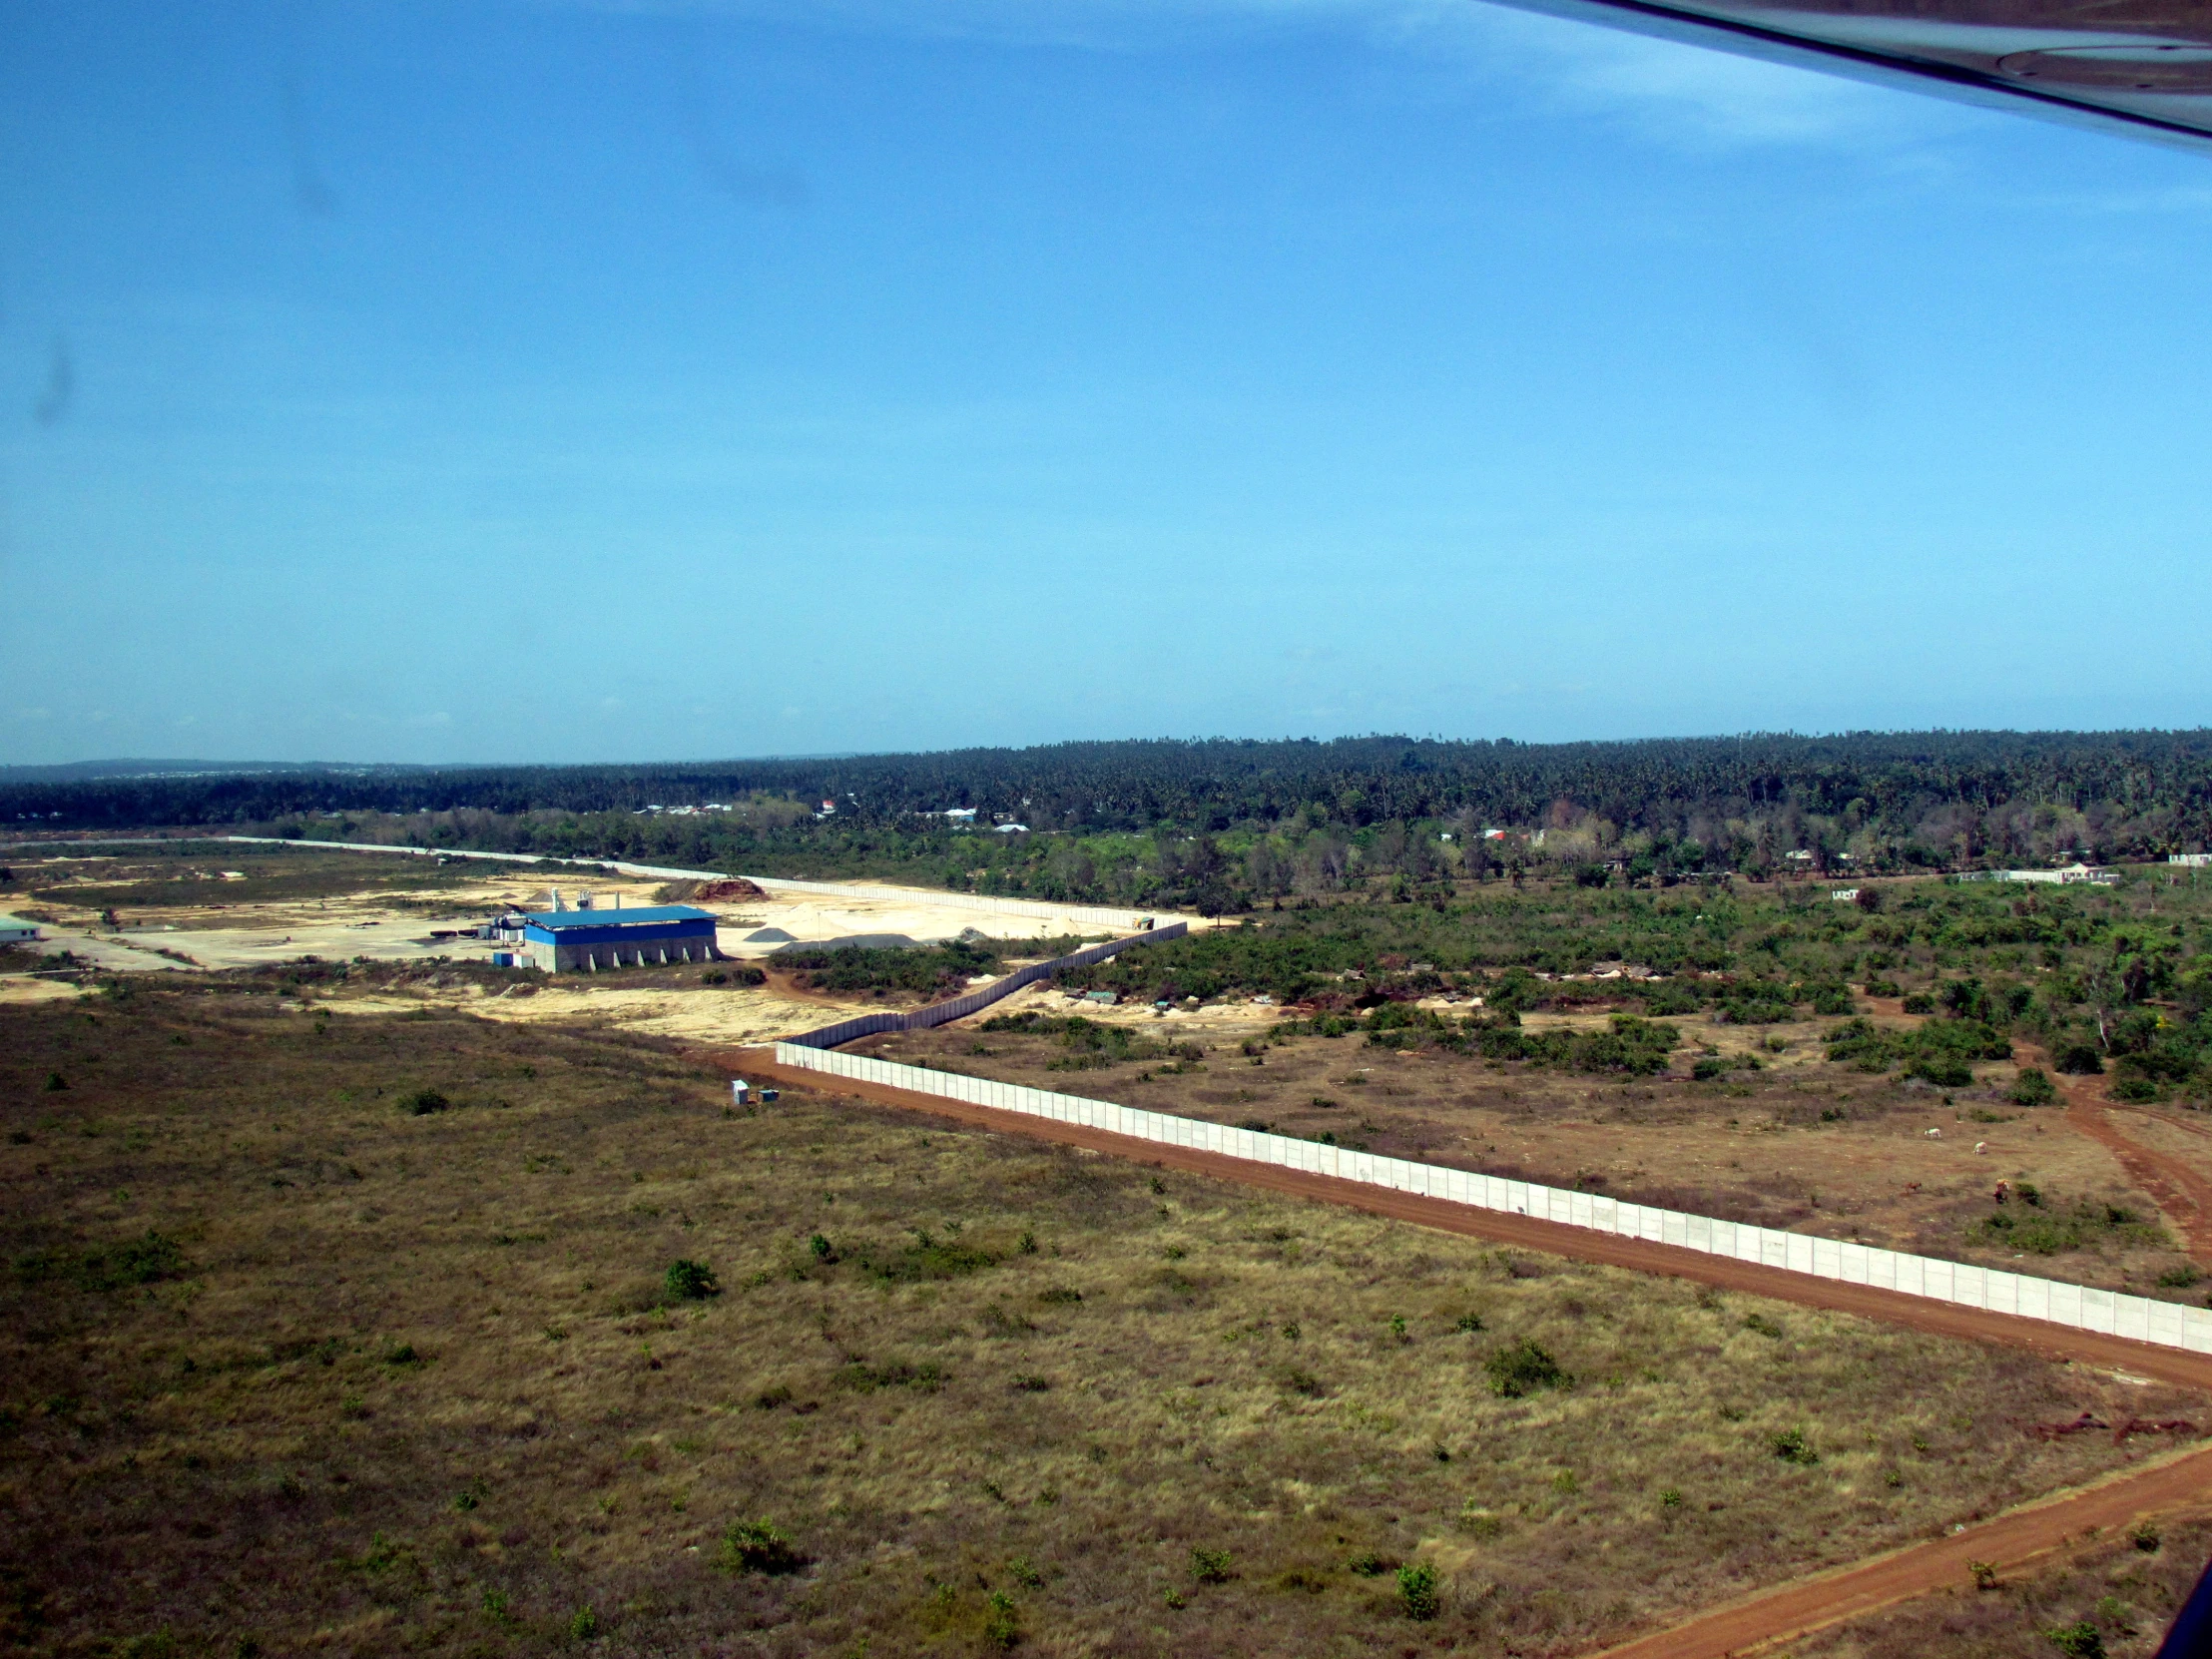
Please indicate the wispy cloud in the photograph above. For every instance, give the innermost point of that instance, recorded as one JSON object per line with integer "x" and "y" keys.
{"x": 1664, "y": 90}
{"x": 2172, "y": 201}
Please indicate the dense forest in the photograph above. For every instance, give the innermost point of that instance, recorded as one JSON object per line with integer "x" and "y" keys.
{"x": 1222, "y": 824}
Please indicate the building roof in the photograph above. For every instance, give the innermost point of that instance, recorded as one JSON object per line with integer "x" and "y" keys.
{"x": 555, "y": 920}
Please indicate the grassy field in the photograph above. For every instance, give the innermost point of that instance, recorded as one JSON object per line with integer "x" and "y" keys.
{"x": 370, "y": 1335}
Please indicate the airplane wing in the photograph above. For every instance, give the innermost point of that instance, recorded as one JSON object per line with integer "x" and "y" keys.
{"x": 2144, "y": 67}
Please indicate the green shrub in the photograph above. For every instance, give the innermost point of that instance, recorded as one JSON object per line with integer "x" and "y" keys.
{"x": 1209, "y": 1566}
{"x": 689, "y": 1280}
{"x": 1792, "y": 1448}
{"x": 866, "y": 1379}
{"x": 758, "y": 1546}
{"x": 2032, "y": 1088}
{"x": 927, "y": 1258}
{"x": 1416, "y": 1590}
{"x": 1522, "y": 1368}
{"x": 2079, "y": 1640}
{"x": 2180, "y": 1278}
{"x": 1001, "y": 1626}
{"x": 2079, "y": 1060}
{"x": 2140, "y": 1090}
{"x": 583, "y": 1625}
{"x": 1943, "y": 1071}
{"x": 423, "y": 1102}
{"x": 2087, "y": 1224}
{"x": 1920, "y": 1002}
{"x": 141, "y": 1261}
{"x": 1367, "y": 1564}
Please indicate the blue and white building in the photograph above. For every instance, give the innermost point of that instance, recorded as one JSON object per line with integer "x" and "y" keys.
{"x": 588, "y": 941}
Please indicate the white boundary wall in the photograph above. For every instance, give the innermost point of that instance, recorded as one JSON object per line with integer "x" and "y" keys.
{"x": 2110, "y": 1311}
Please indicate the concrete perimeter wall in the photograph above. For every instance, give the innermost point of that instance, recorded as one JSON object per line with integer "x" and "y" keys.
{"x": 960, "y": 1007}
{"x": 2110, "y": 1311}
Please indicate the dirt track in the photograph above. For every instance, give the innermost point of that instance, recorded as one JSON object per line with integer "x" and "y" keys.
{"x": 2171, "y": 1486}
{"x": 2057, "y": 1342}
{"x": 2181, "y": 1192}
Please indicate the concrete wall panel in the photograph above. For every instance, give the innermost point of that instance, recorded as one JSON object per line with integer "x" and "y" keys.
{"x": 2020, "y": 1294}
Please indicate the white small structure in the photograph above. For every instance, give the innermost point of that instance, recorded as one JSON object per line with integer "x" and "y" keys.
{"x": 739, "y": 1090}
{"x": 1844, "y": 896}
{"x": 2196, "y": 860}
{"x": 2065, "y": 876}
{"x": 15, "y": 930}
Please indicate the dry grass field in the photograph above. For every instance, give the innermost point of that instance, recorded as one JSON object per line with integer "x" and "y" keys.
{"x": 1798, "y": 1143}
{"x": 359, "y": 1334}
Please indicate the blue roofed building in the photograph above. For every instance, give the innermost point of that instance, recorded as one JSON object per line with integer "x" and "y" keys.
{"x": 589, "y": 942}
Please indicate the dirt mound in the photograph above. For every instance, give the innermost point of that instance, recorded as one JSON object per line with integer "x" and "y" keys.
{"x": 731, "y": 892}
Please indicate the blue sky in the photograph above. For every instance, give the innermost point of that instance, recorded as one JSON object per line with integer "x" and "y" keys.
{"x": 531, "y": 382}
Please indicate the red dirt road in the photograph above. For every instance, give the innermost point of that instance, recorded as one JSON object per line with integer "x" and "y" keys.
{"x": 2182, "y": 1191}
{"x": 2054, "y": 1342}
{"x": 2174, "y": 1485}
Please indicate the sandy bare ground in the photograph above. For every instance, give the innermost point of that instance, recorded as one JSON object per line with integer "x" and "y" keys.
{"x": 115, "y": 951}
{"x": 717, "y": 1016}
{"x": 21, "y": 988}
{"x": 394, "y": 925}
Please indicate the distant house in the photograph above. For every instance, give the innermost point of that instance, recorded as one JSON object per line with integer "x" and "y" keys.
{"x": 1012, "y": 830}
{"x": 15, "y": 930}
{"x": 2194, "y": 860}
{"x": 2067, "y": 876}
